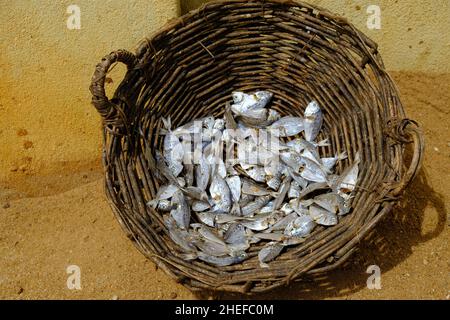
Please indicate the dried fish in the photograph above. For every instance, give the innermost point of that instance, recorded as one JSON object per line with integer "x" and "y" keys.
{"x": 271, "y": 190}
{"x": 234, "y": 183}
{"x": 236, "y": 234}
{"x": 245, "y": 102}
{"x": 269, "y": 252}
{"x": 254, "y": 206}
{"x": 195, "y": 193}
{"x": 283, "y": 191}
{"x": 199, "y": 206}
{"x": 181, "y": 212}
{"x": 202, "y": 173}
{"x": 294, "y": 190}
{"x": 181, "y": 237}
{"x": 322, "y": 216}
{"x": 283, "y": 223}
{"x": 313, "y": 120}
{"x": 332, "y": 202}
{"x": 173, "y": 150}
{"x": 287, "y": 127}
{"x": 300, "y": 227}
{"x": 224, "y": 260}
{"x": 220, "y": 194}
{"x": 260, "y": 222}
{"x": 329, "y": 163}
{"x": 257, "y": 173}
{"x": 251, "y": 188}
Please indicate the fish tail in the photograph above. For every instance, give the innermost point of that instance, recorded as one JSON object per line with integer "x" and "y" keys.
{"x": 167, "y": 122}
{"x": 342, "y": 155}
{"x": 323, "y": 143}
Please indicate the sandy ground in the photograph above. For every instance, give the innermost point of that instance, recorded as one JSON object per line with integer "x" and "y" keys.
{"x": 61, "y": 218}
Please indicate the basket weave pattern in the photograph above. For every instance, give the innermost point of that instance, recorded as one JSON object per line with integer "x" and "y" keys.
{"x": 297, "y": 51}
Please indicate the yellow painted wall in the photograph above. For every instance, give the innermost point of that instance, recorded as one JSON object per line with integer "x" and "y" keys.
{"x": 45, "y": 69}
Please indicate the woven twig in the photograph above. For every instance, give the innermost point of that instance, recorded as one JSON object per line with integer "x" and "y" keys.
{"x": 299, "y": 52}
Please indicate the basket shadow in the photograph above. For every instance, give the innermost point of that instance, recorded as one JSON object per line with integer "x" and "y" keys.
{"x": 388, "y": 245}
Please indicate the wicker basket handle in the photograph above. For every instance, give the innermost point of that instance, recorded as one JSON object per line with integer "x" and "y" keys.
{"x": 411, "y": 132}
{"x": 104, "y": 106}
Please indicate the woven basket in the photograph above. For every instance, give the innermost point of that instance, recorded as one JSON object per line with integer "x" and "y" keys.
{"x": 297, "y": 51}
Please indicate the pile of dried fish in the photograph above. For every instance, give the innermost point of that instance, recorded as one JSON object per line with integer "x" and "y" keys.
{"x": 251, "y": 176}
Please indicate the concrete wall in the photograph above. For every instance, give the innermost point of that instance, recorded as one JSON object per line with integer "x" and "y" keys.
{"x": 45, "y": 69}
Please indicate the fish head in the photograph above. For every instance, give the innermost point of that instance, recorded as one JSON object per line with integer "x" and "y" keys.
{"x": 312, "y": 110}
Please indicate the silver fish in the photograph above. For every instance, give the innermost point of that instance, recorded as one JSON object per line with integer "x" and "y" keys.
{"x": 182, "y": 213}
{"x": 234, "y": 183}
{"x": 163, "y": 169}
{"x": 273, "y": 116}
{"x": 195, "y": 193}
{"x": 244, "y": 102}
{"x": 211, "y": 248}
{"x": 292, "y": 159}
{"x": 236, "y": 234}
{"x": 347, "y": 181}
{"x": 246, "y": 199}
{"x": 257, "y": 173}
{"x": 329, "y": 163}
{"x": 207, "y": 233}
{"x": 293, "y": 241}
{"x": 164, "y": 206}
{"x": 287, "y": 127}
{"x": 301, "y": 206}
{"x": 303, "y": 183}
{"x": 260, "y": 222}
{"x": 220, "y": 194}
{"x": 274, "y": 171}
{"x": 173, "y": 150}
{"x": 313, "y": 120}
{"x": 254, "y": 206}
{"x": 181, "y": 182}
{"x": 283, "y": 223}
{"x": 299, "y": 145}
{"x": 252, "y": 117}
{"x": 217, "y": 166}
{"x": 224, "y": 260}
{"x": 287, "y": 208}
{"x": 181, "y": 237}
{"x": 312, "y": 188}
{"x": 199, "y": 206}
{"x": 208, "y": 218}
{"x": 322, "y": 216}
{"x": 300, "y": 227}
{"x": 332, "y": 202}
{"x": 268, "y": 236}
{"x": 202, "y": 173}
{"x": 251, "y": 188}
{"x": 230, "y": 123}
{"x": 227, "y": 218}
{"x": 294, "y": 190}
{"x": 195, "y": 126}
{"x": 165, "y": 192}
{"x": 269, "y": 252}
{"x": 267, "y": 208}
{"x": 283, "y": 192}
{"x": 189, "y": 176}
{"x": 219, "y": 124}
